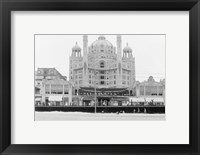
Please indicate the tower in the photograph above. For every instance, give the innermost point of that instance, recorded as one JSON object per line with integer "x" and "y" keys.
{"x": 119, "y": 60}
{"x": 85, "y": 60}
{"x": 76, "y": 53}
{"x": 130, "y": 61}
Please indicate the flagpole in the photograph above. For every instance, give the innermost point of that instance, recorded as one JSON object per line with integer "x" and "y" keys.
{"x": 95, "y": 88}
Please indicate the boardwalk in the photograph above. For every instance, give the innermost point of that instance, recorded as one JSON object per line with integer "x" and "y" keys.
{"x": 73, "y": 116}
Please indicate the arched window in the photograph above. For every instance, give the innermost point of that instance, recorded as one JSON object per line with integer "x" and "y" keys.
{"x": 102, "y": 64}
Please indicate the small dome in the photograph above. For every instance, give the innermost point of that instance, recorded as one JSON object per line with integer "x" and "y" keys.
{"x": 151, "y": 79}
{"x": 127, "y": 48}
{"x": 76, "y": 47}
{"x": 101, "y": 42}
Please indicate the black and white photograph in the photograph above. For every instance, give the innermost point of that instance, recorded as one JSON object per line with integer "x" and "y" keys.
{"x": 105, "y": 77}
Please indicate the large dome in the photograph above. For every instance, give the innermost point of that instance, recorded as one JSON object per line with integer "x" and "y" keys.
{"x": 101, "y": 42}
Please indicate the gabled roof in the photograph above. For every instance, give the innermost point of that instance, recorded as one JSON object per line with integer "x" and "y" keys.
{"x": 49, "y": 72}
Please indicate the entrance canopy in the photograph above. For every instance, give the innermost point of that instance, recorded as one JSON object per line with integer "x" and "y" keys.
{"x": 55, "y": 98}
{"x": 104, "y": 91}
{"x": 101, "y": 90}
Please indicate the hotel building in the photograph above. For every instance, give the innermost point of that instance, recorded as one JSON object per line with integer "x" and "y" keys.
{"x": 102, "y": 64}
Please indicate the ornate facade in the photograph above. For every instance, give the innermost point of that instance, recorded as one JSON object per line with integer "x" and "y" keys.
{"x": 150, "y": 88}
{"x": 102, "y": 64}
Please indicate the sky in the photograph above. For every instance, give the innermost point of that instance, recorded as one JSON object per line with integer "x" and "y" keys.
{"x": 148, "y": 50}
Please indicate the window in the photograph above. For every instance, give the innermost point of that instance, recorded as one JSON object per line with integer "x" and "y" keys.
{"x": 102, "y": 77}
{"x": 102, "y": 72}
{"x": 66, "y": 92}
{"x": 102, "y": 64}
{"x": 102, "y": 82}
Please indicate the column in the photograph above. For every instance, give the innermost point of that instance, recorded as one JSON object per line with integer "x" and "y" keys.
{"x": 43, "y": 91}
{"x": 49, "y": 88}
{"x": 119, "y": 60}
{"x": 70, "y": 93}
{"x": 157, "y": 90}
{"x": 63, "y": 89}
{"x": 85, "y": 60}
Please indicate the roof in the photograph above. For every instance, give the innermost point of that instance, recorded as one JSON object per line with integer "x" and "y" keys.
{"x": 127, "y": 48}
{"x": 76, "y": 47}
{"x": 150, "y": 81}
{"x": 102, "y": 42}
{"x": 49, "y": 72}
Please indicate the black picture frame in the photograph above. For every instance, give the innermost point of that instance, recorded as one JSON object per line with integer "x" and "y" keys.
{"x": 6, "y": 6}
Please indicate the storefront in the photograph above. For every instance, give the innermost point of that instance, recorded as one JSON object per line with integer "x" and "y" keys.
{"x": 104, "y": 96}
{"x": 55, "y": 101}
{"x": 146, "y": 101}
{"x": 38, "y": 101}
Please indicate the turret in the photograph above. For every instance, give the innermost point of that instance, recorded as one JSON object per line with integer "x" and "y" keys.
{"x": 127, "y": 52}
{"x": 76, "y": 51}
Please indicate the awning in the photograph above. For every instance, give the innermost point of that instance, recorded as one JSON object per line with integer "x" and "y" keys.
{"x": 119, "y": 98}
{"x": 38, "y": 99}
{"x": 136, "y": 99}
{"x": 155, "y": 99}
{"x": 55, "y": 98}
{"x": 147, "y": 99}
{"x": 88, "y": 98}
